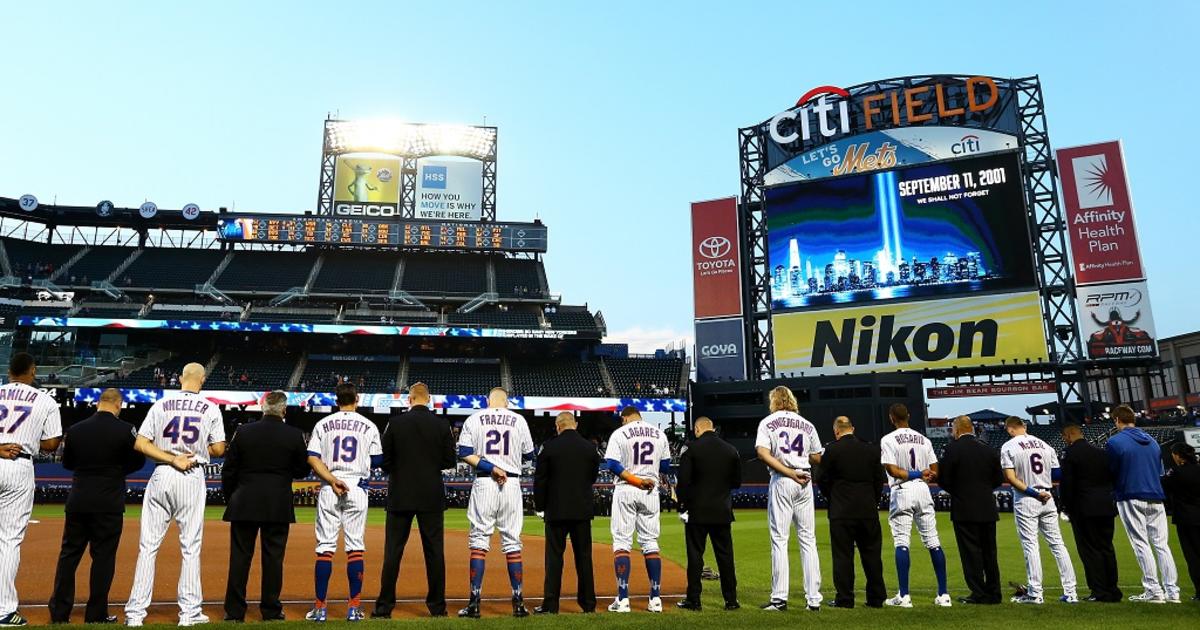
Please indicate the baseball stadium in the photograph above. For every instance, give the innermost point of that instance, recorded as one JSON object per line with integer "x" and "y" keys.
{"x": 919, "y": 327}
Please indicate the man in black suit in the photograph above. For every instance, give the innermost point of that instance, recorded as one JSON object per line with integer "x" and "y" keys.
{"x": 852, "y": 478}
{"x": 260, "y": 463}
{"x": 99, "y": 450}
{"x": 1086, "y": 495}
{"x": 566, "y": 470}
{"x": 970, "y": 472}
{"x": 417, "y": 447}
{"x": 709, "y": 470}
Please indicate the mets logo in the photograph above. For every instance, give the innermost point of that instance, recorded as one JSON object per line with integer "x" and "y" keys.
{"x": 715, "y": 247}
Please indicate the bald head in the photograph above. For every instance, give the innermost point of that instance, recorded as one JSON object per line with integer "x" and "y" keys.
{"x": 565, "y": 421}
{"x": 842, "y": 426}
{"x": 110, "y": 401}
{"x": 192, "y": 378}
{"x": 963, "y": 426}
{"x": 418, "y": 394}
{"x": 498, "y": 398}
{"x": 703, "y": 425}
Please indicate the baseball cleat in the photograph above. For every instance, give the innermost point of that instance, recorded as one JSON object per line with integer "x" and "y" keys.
{"x": 14, "y": 618}
{"x": 813, "y": 607}
{"x": 472, "y": 609}
{"x": 775, "y": 604}
{"x": 1147, "y": 598}
{"x": 655, "y": 605}
{"x": 1173, "y": 599}
{"x": 1069, "y": 599}
{"x": 519, "y": 609}
{"x": 194, "y": 621}
{"x": 619, "y": 606}
{"x": 133, "y": 623}
{"x": 1027, "y": 599}
{"x": 943, "y": 600}
{"x": 354, "y": 613}
{"x": 317, "y": 614}
{"x": 899, "y": 601}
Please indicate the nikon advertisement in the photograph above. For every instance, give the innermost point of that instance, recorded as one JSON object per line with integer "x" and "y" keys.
{"x": 366, "y": 185}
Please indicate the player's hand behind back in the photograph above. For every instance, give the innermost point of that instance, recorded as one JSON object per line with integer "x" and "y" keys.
{"x": 648, "y": 484}
{"x": 339, "y": 487}
{"x": 499, "y": 476}
{"x": 10, "y": 450}
{"x": 183, "y": 462}
{"x": 799, "y": 476}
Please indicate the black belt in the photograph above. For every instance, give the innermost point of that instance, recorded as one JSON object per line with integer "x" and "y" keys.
{"x": 479, "y": 474}
{"x": 24, "y": 456}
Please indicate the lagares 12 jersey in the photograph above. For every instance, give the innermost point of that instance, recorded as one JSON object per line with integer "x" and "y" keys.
{"x": 28, "y": 416}
{"x": 500, "y": 436}
{"x": 184, "y": 422}
{"x": 1031, "y": 459}
{"x": 639, "y": 448}
{"x": 907, "y": 449}
{"x": 345, "y": 442}
{"x": 790, "y": 438}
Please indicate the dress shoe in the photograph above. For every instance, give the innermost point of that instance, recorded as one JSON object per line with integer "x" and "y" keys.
{"x": 278, "y": 617}
{"x": 969, "y": 600}
{"x": 544, "y": 611}
{"x": 233, "y": 620}
{"x": 837, "y": 604}
{"x": 687, "y": 604}
{"x": 379, "y": 614}
{"x": 733, "y": 605}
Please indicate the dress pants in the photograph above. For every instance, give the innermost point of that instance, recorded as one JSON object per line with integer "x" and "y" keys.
{"x": 844, "y": 535}
{"x": 100, "y": 534}
{"x": 1189, "y": 543}
{"x": 1094, "y": 542}
{"x": 431, "y": 526}
{"x": 242, "y": 535}
{"x": 580, "y": 532}
{"x": 977, "y": 551}
{"x": 722, "y": 542}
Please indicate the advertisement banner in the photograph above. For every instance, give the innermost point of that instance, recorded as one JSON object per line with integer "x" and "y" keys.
{"x": 910, "y": 336}
{"x": 1115, "y": 321}
{"x": 716, "y": 259}
{"x": 720, "y": 350}
{"x": 449, "y": 189}
{"x": 366, "y": 185}
{"x": 992, "y": 389}
{"x": 1099, "y": 214}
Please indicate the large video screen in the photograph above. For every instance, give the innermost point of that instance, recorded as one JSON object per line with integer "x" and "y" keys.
{"x": 945, "y": 229}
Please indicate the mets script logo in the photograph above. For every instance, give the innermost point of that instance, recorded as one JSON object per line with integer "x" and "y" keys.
{"x": 715, "y": 247}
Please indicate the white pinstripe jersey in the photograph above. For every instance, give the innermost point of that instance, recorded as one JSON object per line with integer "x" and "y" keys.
{"x": 907, "y": 449}
{"x": 639, "y": 448}
{"x": 1031, "y": 459}
{"x": 28, "y": 416}
{"x": 500, "y": 436}
{"x": 184, "y": 422}
{"x": 345, "y": 442}
{"x": 790, "y": 438}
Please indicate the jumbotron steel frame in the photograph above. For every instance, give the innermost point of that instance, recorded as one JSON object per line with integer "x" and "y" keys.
{"x": 1046, "y": 223}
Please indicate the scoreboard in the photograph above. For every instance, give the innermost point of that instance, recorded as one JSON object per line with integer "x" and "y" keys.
{"x": 411, "y": 233}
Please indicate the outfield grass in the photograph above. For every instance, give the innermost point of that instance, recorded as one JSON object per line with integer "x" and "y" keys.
{"x": 753, "y": 556}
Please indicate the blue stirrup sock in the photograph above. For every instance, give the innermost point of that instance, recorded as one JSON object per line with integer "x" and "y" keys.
{"x": 321, "y": 573}
{"x": 939, "y": 568}
{"x": 621, "y": 566}
{"x": 902, "y": 565}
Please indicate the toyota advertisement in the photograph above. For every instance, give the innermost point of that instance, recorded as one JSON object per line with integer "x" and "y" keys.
{"x": 716, "y": 259}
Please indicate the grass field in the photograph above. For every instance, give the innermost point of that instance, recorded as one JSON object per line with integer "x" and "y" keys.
{"x": 753, "y": 557}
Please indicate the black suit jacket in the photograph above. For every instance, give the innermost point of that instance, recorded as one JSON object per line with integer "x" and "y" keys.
{"x": 851, "y": 476}
{"x": 1182, "y": 486}
{"x": 708, "y": 470}
{"x": 566, "y": 469}
{"x": 970, "y": 471}
{"x": 99, "y": 450}
{"x": 1086, "y": 485}
{"x": 260, "y": 463}
{"x": 417, "y": 447}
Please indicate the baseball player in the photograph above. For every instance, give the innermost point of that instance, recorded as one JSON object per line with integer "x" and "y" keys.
{"x": 30, "y": 422}
{"x": 348, "y": 446}
{"x": 1030, "y": 465}
{"x": 495, "y": 441}
{"x": 181, "y": 431}
{"x": 637, "y": 453}
{"x": 911, "y": 464}
{"x": 788, "y": 444}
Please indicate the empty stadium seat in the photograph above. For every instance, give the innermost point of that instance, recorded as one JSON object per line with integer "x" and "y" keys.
{"x": 518, "y": 277}
{"x": 637, "y": 377}
{"x": 444, "y": 274}
{"x": 161, "y": 268}
{"x": 377, "y": 376}
{"x": 266, "y": 272}
{"x": 37, "y": 260}
{"x": 495, "y": 319}
{"x": 565, "y": 318}
{"x": 557, "y": 378}
{"x": 264, "y": 370}
{"x": 96, "y": 265}
{"x": 356, "y": 271}
{"x": 455, "y": 378}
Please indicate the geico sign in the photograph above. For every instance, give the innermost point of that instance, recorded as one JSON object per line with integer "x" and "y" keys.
{"x": 365, "y": 210}
{"x": 826, "y": 109}
{"x": 719, "y": 350}
{"x": 880, "y": 341}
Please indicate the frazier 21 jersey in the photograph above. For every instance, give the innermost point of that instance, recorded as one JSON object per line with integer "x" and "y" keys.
{"x": 789, "y": 438}
{"x": 907, "y": 449}
{"x": 500, "y": 436}
{"x": 640, "y": 448}
{"x": 28, "y": 416}
{"x": 184, "y": 422}
{"x": 345, "y": 442}
{"x": 1031, "y": 459}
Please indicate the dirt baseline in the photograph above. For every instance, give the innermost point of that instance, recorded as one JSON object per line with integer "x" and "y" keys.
{"x": 39, "y": 556}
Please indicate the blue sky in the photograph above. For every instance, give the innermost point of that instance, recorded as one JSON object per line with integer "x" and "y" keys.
{"x": 613, "y": 116}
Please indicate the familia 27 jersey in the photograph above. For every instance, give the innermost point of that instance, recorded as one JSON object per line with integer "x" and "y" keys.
{"x": 501, "y": 437}
{"x": 346, "y": 442}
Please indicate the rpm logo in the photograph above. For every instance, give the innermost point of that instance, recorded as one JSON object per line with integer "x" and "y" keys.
{"x": 967, "y": 145}
{"x": 715, "y": 247}
{"x": 1118, "y": 298}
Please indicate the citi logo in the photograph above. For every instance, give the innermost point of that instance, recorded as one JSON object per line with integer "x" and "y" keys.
{"x": 715, "y": 247}
{"x": 719, "y": 350}
{"x": 967, "y": 145}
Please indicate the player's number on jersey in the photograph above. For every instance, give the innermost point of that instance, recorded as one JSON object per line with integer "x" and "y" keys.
{"x": 345, "y": 449}
{"x": 787, "y": 445}
{"x": 186, "y": 428}
{"x": 643, "y": 453}
{"x": 1035, "y": 463}
{"x": 22, "y": 412}
{"x": 912, "y": 458}
{"x": 494, "y": 439}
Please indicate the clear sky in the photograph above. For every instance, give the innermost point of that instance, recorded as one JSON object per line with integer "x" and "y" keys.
{"x": 613, "y": 116}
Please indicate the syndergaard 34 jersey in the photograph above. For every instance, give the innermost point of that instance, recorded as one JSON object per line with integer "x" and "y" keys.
{"x": 790, "y": 439}
{"x": 1031, "y": 459}
{"x": 907, "y": 449}
{"x": 184, "y": 422}
{"x": 500, "y": 436}
{"x": 639, "y": 448}
{"x": 345, "y": 442}
{"x": 28, "y": 416}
